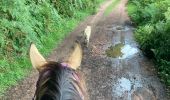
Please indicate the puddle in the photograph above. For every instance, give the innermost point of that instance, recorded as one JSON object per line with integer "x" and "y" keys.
{"x": 120, "y": 28}
{"x": 114, "y": 51}
{"x": 121, "y": 51}
{"x": 125, "y": 87}
{"x": 128, "y": 51}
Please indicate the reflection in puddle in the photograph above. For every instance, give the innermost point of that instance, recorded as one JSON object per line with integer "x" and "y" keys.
{"x": 115, "y": 51}
{"x": 128, "y": 51}
{"x": 124, "y": 85}
{"x": 121, "y": 51}
{"x": 120, "y": 28}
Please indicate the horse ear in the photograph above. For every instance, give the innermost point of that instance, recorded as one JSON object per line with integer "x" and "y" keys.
{"x": 74, "y": 60}
{"x": 37, "y": 59}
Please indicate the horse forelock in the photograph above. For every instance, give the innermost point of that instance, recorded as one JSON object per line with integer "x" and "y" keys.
{"x": 58, "y": 83}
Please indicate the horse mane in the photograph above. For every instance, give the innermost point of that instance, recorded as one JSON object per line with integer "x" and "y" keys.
{"x": 57, "y": 83}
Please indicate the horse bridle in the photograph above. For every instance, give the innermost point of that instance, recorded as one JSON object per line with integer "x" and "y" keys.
{"x": 65, "y": 65}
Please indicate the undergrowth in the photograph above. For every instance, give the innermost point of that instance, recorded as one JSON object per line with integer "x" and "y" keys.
{"x": 152, "y": 20}
{"x": 44, "y": 22}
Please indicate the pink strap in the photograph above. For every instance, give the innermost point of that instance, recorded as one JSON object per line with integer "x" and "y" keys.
{"x": 65, "y": 65}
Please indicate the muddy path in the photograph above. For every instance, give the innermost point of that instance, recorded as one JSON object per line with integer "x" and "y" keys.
{"x": 113, "y": 66}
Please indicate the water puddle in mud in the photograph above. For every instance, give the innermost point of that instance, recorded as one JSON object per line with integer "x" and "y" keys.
{"x": 125, "y": 87}
{"x": 121, "y": 51}
{"x": 114, "y": 51}
{"x": 120, "y": 28}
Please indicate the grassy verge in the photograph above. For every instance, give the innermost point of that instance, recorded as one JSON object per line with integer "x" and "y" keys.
{"x": 17, "y": 67}
{"x": 111, "y": 7}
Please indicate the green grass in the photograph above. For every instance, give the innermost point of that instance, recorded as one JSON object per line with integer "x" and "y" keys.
{"x": 46, "y": 26}
{"x": 131, "y": 8}
{"x": 12, "y": 71}
{"x": 16, "y": 68}
{"x": 111, "y": 7}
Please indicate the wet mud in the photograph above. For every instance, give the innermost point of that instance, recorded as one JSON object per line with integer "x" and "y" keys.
{"x": 113, "y": 66}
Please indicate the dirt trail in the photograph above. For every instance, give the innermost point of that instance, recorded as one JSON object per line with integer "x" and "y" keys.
{"x": 114, "y": 67}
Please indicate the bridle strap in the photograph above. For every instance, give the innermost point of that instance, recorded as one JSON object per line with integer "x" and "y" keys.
{"x": 65, "y": 65}
{"x": 76, "y": 76}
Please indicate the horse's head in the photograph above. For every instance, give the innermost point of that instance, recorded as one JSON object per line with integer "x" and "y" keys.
{"x": 58, "y": 81}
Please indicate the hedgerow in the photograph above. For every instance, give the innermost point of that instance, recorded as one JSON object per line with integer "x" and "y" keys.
{"x": 152, "y": 18}
{"x": 44, "y": 22}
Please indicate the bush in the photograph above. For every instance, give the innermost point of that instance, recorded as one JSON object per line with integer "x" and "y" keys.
{"x": 143, "y": 35}
{"x": 23, "y": 21}
{"x": 44, "y": 22}
{"x": 153, "y": 31}
{"x": 164, "y": 70}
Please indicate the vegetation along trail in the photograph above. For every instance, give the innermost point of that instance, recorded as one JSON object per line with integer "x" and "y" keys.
{"x": 113, "y": 66}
